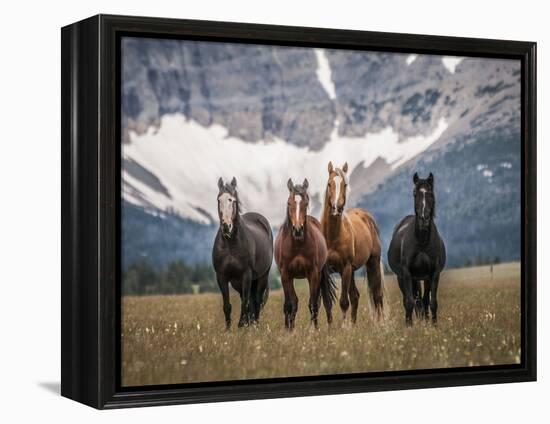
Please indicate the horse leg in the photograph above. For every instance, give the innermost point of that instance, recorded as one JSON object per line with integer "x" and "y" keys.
{"x": 408, "y": 299}
{"x": 354, "y": 298}
{"x": 253, "y": 305}
{"x": 223, "y": 283}
{"x": 376, "y": 290}
{"x": 426, "y": 299}
{"x": 327, "y": 303}
{"x": 291, "y": 300}
{"x": 344, "y": 296}
{"x": 246, "y": 286}
{"x": 417, "y": 297}
{"x": 314, "y": 296}
{"x": 261, "y": 287}
{"x": 433, "y": 301}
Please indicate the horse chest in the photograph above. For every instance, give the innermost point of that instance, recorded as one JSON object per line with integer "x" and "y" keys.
{"x": 233, "y": 261}
{"x": 298, "y": 266}
{"x": 235, "y": 264}
{"x": 421, "y": 266}
{"x": 335, "y": 259}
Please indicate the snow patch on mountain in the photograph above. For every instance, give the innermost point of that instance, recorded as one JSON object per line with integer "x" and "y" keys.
{"x": 188, "y": 159}
{"x": 324, "y": 73}
{"x": 451, "y": 62}
{"x": 411, "y": 58}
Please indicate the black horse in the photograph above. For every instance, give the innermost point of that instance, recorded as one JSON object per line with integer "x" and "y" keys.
{"x": 242, "y": 255}
{"x": 417, "y": 252}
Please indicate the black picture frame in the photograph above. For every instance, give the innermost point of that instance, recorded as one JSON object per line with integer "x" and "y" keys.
{"x": 90, "y": 176}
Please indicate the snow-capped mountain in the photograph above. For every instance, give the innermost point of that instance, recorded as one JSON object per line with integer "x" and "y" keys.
{"x": 195, "y": 111}
{"x": 187, "y": 159}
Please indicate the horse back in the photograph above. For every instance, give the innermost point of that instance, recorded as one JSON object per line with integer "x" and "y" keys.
{"x": 256, "y": 221}
{"x": 394, "y": 250}
{"x": 365, "y": 233}
{"x": 259, "y": 231}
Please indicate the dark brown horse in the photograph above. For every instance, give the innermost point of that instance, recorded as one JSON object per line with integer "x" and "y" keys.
{"x": 353, "y": 241}
{"x": 301, "y": 252}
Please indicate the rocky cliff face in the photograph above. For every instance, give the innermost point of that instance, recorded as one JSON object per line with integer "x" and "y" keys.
{"x": 256, "y": 92}
{"x": 260, "y": 92}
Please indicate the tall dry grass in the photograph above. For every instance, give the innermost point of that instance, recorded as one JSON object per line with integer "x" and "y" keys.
{"x": 182, "y": 339}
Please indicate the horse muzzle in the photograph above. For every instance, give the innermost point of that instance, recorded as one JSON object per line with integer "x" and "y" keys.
{"x": 337, "y": 210}
{"x": 227, "y": 230}
{"x": 298, "y": 232}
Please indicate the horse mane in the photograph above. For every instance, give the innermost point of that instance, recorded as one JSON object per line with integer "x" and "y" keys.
{"x": 300, "y": 190}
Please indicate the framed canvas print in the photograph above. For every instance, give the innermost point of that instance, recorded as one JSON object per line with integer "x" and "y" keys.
{"x": 254, "y": 211}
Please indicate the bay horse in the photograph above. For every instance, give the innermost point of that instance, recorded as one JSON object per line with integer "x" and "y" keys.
{"x": 242, "y": 255}
{"x": 301, "y": 252}
{"x": 417, "y": 252}
{"x": 353, "y": 241}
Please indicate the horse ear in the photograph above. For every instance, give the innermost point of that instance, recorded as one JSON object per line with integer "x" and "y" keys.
{"x": 290, "y": 185}
{"x": 220, "y": 184}
{"x": 415, "y": 177}
{"x": 305, "y": 184}
{"x": 431, "y": 180}
{"x": 330, "y": 167}
{"x": 234, "y": 182}
{"x": 345, "y": 168}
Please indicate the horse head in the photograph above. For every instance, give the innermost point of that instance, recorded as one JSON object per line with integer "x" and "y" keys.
{"x": 228, "y": 207}
{"x": 298, "y": 201}
{"x": 337, "y": 187}
{"x": 424, "y": 200}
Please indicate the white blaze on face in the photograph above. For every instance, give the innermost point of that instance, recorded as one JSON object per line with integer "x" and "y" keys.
{"x": 423, "y": 191}
{"x": 298, "y": 200}
{"x": 226, "y": 208}
{"x": 338, "y": 180}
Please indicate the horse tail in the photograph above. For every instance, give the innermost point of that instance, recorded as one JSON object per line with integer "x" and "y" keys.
{"x": 385, "y": 307}
{"x": 328, "y": 287}
{"x": 371, "y": 295}
{"x": 265, "y": 296}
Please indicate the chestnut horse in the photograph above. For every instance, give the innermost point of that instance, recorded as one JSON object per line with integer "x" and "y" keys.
{"x": 353, "y": 241}
{"x": 301, "y": 252}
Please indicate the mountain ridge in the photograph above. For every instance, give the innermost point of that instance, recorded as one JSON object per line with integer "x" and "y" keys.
{"x": 281, "y": 99}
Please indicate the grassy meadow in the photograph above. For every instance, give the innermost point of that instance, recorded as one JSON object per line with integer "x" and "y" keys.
{"x": 182, "y": 338}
